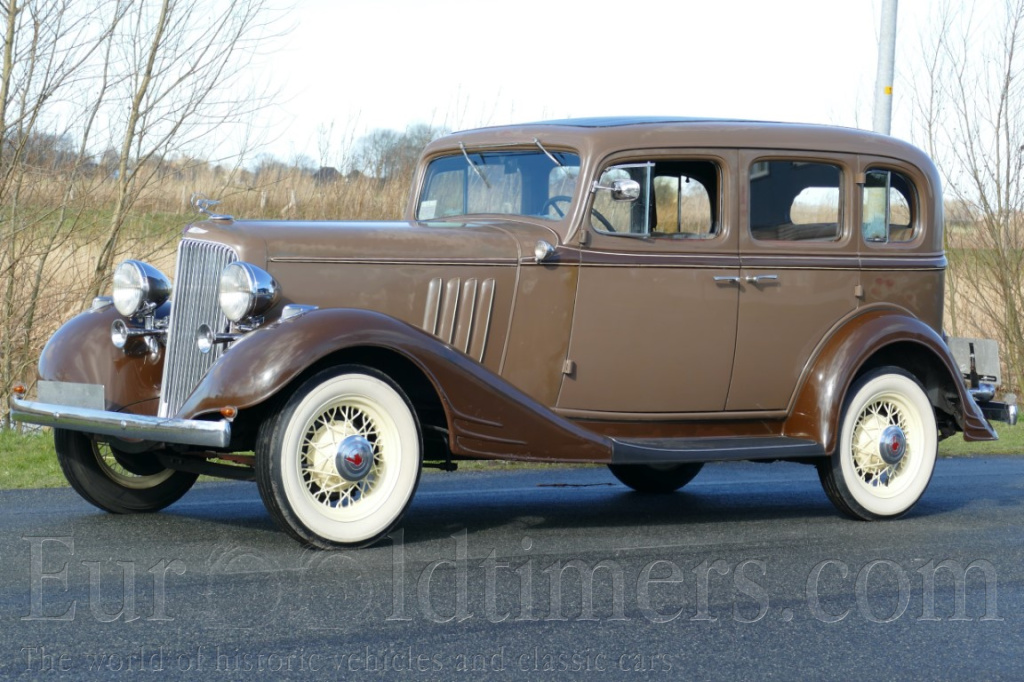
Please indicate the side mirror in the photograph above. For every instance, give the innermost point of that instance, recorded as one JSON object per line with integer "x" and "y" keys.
{"x": 625, "y": 190}
{"x": 622, "y": 190}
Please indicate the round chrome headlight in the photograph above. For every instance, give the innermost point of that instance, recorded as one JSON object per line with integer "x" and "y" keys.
{"x": 138, "y": 284}
{"x": 246, "y": 291}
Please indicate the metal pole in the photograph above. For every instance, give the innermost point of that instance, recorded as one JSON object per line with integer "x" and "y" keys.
{"x": 882, "y": 121}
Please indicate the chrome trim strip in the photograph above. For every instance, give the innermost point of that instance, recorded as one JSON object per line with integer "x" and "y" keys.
{"x": 370, "y": 260}
{"x": 615, "y": 417}
{"x": 158, "y": 429}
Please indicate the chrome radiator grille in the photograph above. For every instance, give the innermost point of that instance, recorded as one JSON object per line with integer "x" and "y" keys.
{"x": 194, "y": 303}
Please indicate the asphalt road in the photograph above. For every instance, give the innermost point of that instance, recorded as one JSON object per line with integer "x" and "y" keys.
{"x": 540, "y": 574}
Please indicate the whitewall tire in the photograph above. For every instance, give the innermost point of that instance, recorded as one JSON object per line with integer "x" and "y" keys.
{"x": 338, "y": 465}
{"x": 888, "y": 441}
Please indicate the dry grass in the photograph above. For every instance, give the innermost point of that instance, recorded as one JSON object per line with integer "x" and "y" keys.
{"x": 55, "y": 228}
{"x": 162, "y": 210}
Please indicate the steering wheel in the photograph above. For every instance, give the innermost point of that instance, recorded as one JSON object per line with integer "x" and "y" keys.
{"x": 553, "y": 202}
{"x": 604, "y": 221}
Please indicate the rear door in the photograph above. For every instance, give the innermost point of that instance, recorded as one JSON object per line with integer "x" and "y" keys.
{"x": 800, "y": 270}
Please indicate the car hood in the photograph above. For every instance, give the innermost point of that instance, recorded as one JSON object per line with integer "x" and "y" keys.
{"x": 323, "y": 241}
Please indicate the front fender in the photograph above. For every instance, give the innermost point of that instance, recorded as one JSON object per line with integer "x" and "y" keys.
{"x": 818, "y": 405}
{"x": 80, "y": 351}
{"x": 487, "y": 416}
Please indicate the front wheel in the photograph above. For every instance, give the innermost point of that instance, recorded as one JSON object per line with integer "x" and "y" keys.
{"x": 339, "y": 463}
{"x": 656, "y": 478}
{"x": 115, "y": 481}
{"x": 888, "y": 442}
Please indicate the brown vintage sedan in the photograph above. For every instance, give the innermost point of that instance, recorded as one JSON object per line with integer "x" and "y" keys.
{"x": 650, "y": 294}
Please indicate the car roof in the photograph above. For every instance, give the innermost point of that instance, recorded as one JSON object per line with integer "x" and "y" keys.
{"x": 612, "y": 121}
{"x": 601, "y": 134}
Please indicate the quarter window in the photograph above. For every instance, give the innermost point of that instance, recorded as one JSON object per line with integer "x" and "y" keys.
{"x": 795, "y": 201}
{"x": 888, "y": 211}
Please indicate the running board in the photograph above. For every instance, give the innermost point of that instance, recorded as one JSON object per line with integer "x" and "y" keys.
{"x": 678, "y": 450}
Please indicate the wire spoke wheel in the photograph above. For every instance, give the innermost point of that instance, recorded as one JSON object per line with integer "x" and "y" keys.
{"x": 324, "y": 435}
{"x": 117, "y": 481}
{"x": 129, "y": 471}
{"x": 887, "y": 447}
{"x": 868, "y": 433}
{"x": 339, "y": 463}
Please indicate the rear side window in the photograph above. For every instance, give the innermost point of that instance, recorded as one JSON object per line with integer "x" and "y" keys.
{"x": 889, "y": 207}
{"x": 795, "y": 201}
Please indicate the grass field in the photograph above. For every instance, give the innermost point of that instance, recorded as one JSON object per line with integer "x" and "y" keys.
{"x": 28, "y": 461}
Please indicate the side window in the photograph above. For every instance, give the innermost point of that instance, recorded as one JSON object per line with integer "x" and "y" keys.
{"x": 795, "y": 201}
{"x": 889, "y": 207}
{"x": 678, "y": 199}
{"x": 614, "y": 215}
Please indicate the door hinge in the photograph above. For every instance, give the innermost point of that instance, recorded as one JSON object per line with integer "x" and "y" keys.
{"x": 569, "y": 367}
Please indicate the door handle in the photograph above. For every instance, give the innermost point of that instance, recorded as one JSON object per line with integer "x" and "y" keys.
{"x": 727, "y": 279}
{"x": 760, "y": 279}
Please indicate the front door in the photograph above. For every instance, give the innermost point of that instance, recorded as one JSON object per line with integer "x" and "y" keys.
{"x": 654, "y": 327}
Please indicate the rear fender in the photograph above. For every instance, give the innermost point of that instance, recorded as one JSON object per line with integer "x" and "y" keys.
{"x": 486, "y": 416}
{"x": 875, "y": 338}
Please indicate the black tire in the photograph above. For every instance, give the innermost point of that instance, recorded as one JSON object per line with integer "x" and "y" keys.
{"x": 886, "y": 411}
{"x": 656, "y": 478}
{"x": 115, "y": 481}
{"x": 297, "y": 466}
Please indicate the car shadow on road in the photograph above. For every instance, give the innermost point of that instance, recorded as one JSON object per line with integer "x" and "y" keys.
{"x": 589, "y": 502}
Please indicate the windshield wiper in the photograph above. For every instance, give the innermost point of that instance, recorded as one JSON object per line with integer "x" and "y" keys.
{"x": 472, "y": 165}
{"x": 551, "y": 156}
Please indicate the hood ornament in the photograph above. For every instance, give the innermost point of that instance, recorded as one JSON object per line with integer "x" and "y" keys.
{"x": 202, "y": 204}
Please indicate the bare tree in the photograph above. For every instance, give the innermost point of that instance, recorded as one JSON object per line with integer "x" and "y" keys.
{"x": 970, "y": 114}
{"x": 48, "y": 47}
{"x": 184, "y": 60}
{"x": 391, "y": 155}
{"x": 164, "y": 75}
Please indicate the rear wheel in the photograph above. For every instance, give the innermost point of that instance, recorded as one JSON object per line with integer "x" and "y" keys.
{"x": 115, "y": 481}
{"x": 656, "y": 478}
{"x": 888, "y": 441}
{"x": 338, "y": 465}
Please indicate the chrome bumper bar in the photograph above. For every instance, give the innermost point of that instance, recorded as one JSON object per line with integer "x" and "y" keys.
{"x": 999, "y": 412}
{"x": 993, "y": 411}
{"x": 210, "y": 434}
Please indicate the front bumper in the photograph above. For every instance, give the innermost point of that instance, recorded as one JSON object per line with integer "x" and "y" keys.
{"x": 209, "y": 434}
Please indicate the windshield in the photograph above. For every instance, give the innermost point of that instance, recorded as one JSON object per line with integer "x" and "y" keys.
{"x": 532, "y": 183}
